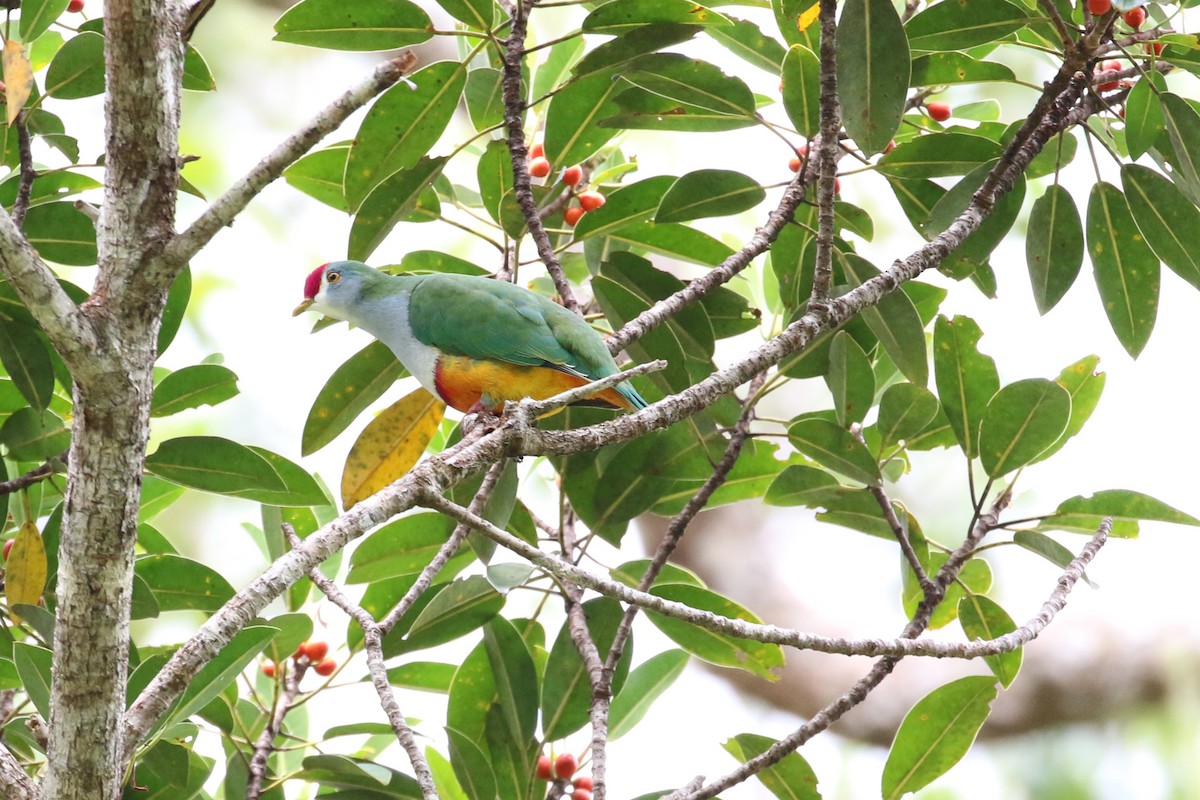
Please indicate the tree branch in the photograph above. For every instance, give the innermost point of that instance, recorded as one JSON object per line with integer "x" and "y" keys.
{"x": 827, "y": 153}
{"x": 265, "y": 744}
{"x": 514, "y": 110}
{"x": 25, "y": 154}
{"x": 225, "y": 208}
{"x": 14, "y": 783}
{"x": 34, "y": 475}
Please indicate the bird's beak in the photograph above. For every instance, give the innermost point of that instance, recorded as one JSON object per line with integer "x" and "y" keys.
{"x": 304, "y": 304}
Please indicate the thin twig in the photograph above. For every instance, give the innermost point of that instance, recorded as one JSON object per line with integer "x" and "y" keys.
{"x": 264, "y": 746}
{"x": 36, "y": 474}
{"x": 514, "y": 109}
{"x": 827, "y": 154}
{"x": 25, "y": 186}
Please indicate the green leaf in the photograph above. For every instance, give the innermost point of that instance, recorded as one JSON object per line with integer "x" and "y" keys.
{"x": 336, "y": 25}
{"x": 1084, "y": 384}
{"x": 1047, "y": 548}
{"x": 1123, "y": 504}
{"x": 484, "y": 94}
{"x": 1143, "y": 113}
{"x": 967, "y": 258}
{"x": 850, "y": 379}
{"x": 1053, "y": 246}
{"x": 691, "y": 81}
{"x": 294, "y": 629}
{"x": 939, "y": 69}
{"x": 31, "y": 435}
{"x": 572, "y": 135}
{"x": 747, "y": 41}
{"x": 835, "y": 448}
{"x": 299, "y": 487}
{"x": 38, "y": 15}
{"x": 178, "y": 297}
{"x": 352, "y": 387}
{"x": 477, "y": 14}
{"x": 631, "y": 204}
{"x": 936, "y": 733}
{"x": 197, "y": 77}
{"x": 515, "y": 677}
{"x": 180, "y": 584}
{"x": 47, "y": 186}
{"x": 424, "y": 676}
{"x": 642, "y": 109}
{"x": 964, "y": 23}
{"x": 674, "y": 240}
{"x": 626, "y": 16}
{"x": 1125, "y": 268}
{"x": 213, "y": 464}
{"x": 27, "y": 362}
{"x": 463, "y": 606}
{"x": 1183, "y": 127}
{"x": 904, "y": 411}
{"x": 894, "y": 320}
{"x": 799, "y": 485}
{"x": 191, "y": 387}
{"x": 320, "y": 175}
{"x": 1021, "y": 421}
{"x": 983, "y": 619}
{"x": 938, "y": 155}
{"x": 566, "y": 690}
{"x": 763, "y": 660}
{"x": 635, "y": 44}
{"x": 873, "y": 68}
{"x": 750, "y": 478}
{"x": 402, "y": 125}
{"x": 646, "y": 683}
{"x": 709, "y": 193}
{"x": 403, "y": 547}
{"x": 77, "y": 69}
{"x": 789, "y": 778}
{"x": 801, "y": 76}
{"x": 33, "y": 666}
{"x": 222, "y": 670}
{"x": 966, "y": 379}
{"x": 1169, "y": 221}
{"x": 471, "y": 766}
{"x": 631, "y": 573}
{"x": 389, "y": 203}
{"x": 62, "y": 233}
{"x": 362, "y": 779}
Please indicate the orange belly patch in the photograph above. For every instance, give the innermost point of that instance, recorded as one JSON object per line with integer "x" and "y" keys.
{"x": 462, "y": 382}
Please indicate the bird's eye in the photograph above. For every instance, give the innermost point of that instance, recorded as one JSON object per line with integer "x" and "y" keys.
{"x": 333, "y": 277}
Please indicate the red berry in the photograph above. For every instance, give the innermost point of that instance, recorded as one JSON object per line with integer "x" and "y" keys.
{"x": 539, "y": 167}
{"x": 1155, "y": 48}
{"x": 75, "y": 6}
{"x": 794, "y": 164}
{"x": 537, "y": 151}
{"x": 571, "y": 215}
{"x": 590, "y": 201}
{"x": 566, "y": 765}
{"x": 837, "y": 186}
{"x": 1110, "y": 66}
{"x": 802, "y": 150}
{"x": 8, "y": 547}
{"x": 1135, "y": 17}
{"x": 581, "y": 794}
{"x": 1099, "y": 7}
{"x": 268, "y": 669}
{"x": 938, "y": 111}
{"x": 572, "y": 175}
{"x": 890, "y": 147}
{"x": 543, "y": 768}
{"x": 326, "y": 667}
{"x": 314, "y": 650}
{"x": 583, "y": 782}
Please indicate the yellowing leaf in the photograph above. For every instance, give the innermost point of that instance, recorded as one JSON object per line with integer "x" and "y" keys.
{"x": 808, "y": 17}
{"x": 390, "y": 445}
{"x": 25, "y": 574}
{"x": 18, "y": 78}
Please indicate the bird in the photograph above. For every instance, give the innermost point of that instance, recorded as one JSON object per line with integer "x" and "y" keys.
{"x": 472, "y": 341}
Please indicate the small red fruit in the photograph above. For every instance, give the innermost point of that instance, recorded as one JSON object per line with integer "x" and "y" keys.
{"x": 1155, "y": 48}
{"x": 890, "y": 147}
{"x": 537, "y": 151}
{"x": 1099, "y": 7}
{"x": 590, "y": 201}
{"x": 572, "y": 215}
{"x": 325, "y": 668}
{"x": 75, "y": 6}
{"x": 268, "y": 669}
{"x": 938, "y": 111}
{"x": 837, "y": 186}
{"x": 583, "y": 782}
{"x": 8, "y": 547}
{"x": 543, "y": 768}
{"x": 794, "y": 164}
{"x": 1135, "y": 17}
{"x": 1111, "y": 65}
{"x": 572, "y": 175}
{"x": 581, "y": 794}
{"x": 565, "y": 765}
{"x": 314, "y": 650}
{"x": 539, "y": 167}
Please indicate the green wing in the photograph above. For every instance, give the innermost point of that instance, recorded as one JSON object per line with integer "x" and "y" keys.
{"x": 484, "y": 318}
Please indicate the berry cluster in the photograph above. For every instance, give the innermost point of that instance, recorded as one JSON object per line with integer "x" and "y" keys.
{"x": 308, "y": 654}
{"x": 1133, "y": 17}
{"x": 562, "y": 769}
{"x": 539, "y": 167}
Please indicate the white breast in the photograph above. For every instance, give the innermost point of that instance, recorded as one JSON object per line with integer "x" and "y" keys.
{"x": 387, "y": 321}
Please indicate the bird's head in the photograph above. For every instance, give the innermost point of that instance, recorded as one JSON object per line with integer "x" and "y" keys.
{"x": 334, "y": 289}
